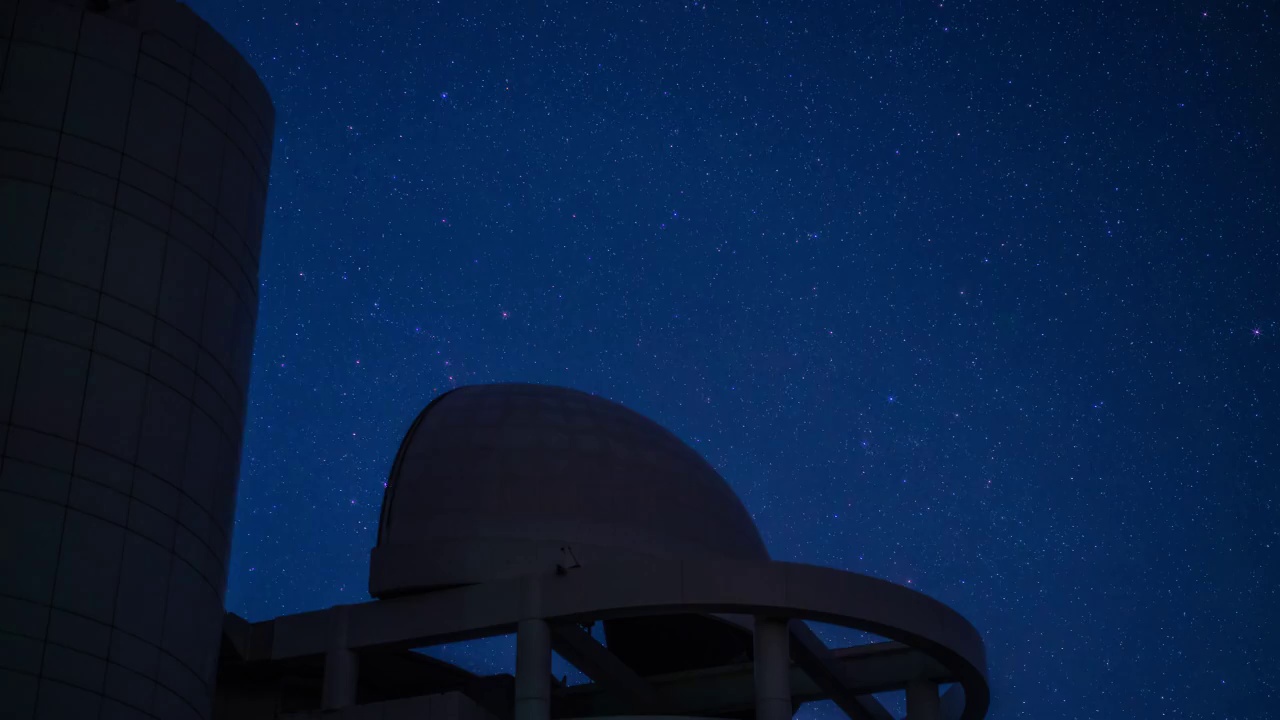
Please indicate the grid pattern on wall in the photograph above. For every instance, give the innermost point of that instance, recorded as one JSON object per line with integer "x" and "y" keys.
{"x": 134, "y": 153}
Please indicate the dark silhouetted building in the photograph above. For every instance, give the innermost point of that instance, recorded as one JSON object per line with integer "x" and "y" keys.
{"x": 589, "y": 531}
{"x": 134, "y": 152}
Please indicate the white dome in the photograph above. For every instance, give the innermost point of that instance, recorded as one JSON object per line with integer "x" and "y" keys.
{"x": 492, "y": 481}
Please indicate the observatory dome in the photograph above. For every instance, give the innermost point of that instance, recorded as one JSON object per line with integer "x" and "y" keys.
{"x": 496, "y": 481}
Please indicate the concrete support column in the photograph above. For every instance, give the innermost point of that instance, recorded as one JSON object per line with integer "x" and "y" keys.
{"x": 923, "y": 702}
{"x": 772, "y": 669}
{"x": 341, "y": 665}
{"x": 533, "y": 670}
{"x": 341, "y": 670}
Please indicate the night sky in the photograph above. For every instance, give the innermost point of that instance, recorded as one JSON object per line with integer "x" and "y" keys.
{"x": 980, "y": 298}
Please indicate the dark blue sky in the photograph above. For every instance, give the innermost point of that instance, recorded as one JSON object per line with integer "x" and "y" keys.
{"x": 978, "y": 297}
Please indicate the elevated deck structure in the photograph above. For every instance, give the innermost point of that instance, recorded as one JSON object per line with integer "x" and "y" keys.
{"x": 539, "y": 512}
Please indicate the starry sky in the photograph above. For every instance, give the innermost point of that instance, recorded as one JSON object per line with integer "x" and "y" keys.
{"x": 981, "y": 298}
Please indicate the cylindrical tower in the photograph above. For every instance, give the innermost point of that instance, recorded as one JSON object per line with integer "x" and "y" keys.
{"x": 134, "y": 152}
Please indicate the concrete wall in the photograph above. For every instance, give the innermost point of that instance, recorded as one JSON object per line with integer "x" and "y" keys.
{"x": 134, "y": 152}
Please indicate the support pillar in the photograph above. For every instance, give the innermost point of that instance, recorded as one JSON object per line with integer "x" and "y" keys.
{"x": 772, "y": 669}
{"x": 533, "y": 670}
{"x": 341, "y": 665}
{"x": 341, "y": 668}
{"x": 923, "y": 702}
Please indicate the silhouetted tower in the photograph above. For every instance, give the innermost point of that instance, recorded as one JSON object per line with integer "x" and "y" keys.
{"x": 134, "y": 152}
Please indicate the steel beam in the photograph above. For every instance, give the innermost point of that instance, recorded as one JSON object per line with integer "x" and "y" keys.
{"x": 603, "y": 667}
{"x": 812, "y": 655}
{"x": 730, "y": 688}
